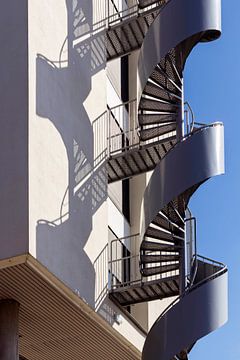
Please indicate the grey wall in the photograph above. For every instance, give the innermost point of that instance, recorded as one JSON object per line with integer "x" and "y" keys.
{"x": 14, "y": 128}
{"x": 63, "y": 88}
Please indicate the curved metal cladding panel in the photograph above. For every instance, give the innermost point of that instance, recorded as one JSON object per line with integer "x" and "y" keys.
{"x": 200, "y": 312}
{"x": 192, "y": 161}
{"x": 177, "y": 21}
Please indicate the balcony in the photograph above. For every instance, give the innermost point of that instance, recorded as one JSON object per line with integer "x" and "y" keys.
{"x": 128, "y": 286}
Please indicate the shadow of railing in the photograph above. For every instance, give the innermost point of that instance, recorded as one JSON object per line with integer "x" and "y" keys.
{"x": 62, "y": 86}
{"x": 101, "y": 273}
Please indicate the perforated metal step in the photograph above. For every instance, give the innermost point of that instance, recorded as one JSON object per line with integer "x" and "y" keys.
{"x": 128, "y": 34}
{"x": 153, "y": 132}
{"x": 159, "y": 220}
{"x": 154, "y": 105}
{"x": 156, "y": 246}
{"x": 138, "y": 160}
{"x": 151, "y": 119}
{"x": 146, "y": 291}
{"x": 149, "y": 259}
{"x": 150, "y": 271}
{"x": 156, "y": 91}
{"x": 160, "y": 235}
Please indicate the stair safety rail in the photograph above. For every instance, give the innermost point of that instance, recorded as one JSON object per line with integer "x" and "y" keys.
{"x": 183, "y": 154}
{"x": 122, "y": 134}
{"x": 195, "y": 159}
{"x": 122, "y": 10}
{"x": 208, "y": 295}
{"x": 127, "y": 24}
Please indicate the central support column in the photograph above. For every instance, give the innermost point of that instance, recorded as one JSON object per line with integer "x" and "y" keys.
{"x": 9, "y": 312}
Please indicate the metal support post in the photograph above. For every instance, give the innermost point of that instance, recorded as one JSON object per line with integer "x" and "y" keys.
{"x": 180, "y": 117}
{"x": 182, "y": 271}
{"x": 9, "y": 312}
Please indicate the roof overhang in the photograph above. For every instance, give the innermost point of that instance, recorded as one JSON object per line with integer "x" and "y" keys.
{"x": 54, "y": 322}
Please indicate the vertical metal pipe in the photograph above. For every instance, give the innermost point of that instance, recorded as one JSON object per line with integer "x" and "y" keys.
{"x": 9, "y": 312}
{"x": 180, "y": 117}
{"x": 182, "y": 271}
{"x": 111, "y": 267}
{"x": 109, "y": 132}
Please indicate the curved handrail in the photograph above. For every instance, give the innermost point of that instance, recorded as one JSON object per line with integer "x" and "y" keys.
{"x": 161, "y": 63}
{"x": 163, "y": 187}
{"x": 191, "y": 133}
{"x": 199, "y": 311}
{"x": 195, "y": 286}
{"x": 186, "y": 136}
{"x": 189, "y": 18}
{"x": 186, "y": 103}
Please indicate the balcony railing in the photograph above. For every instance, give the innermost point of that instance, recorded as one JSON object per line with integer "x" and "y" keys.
{"x": 123, "y": 128}
{"x": 123, "y": 10}
{"x": 124, "y": 270}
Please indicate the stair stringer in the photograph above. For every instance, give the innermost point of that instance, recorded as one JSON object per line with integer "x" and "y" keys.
{"x": 189, "y": 163}
{"x": 202, "y": 308}
{"x": 200, "y": 311}
{"x": 176, "y": 23}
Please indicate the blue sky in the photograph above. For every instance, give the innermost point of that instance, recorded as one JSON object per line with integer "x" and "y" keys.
{"x": 212, "y": 86}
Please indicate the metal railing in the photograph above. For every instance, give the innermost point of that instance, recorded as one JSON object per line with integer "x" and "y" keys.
{"x": 123, "y": 128}
{"x": 124, "y": 270}
{"x": 123, "y": 10}
{"x": 119, "y": 10}
{"x": 219, "y": 268}
{"x": 191, "y": 262}
{"x": 201, "y": 127}
{"x": 190, "y": 124}
{"x": 189, "y": 117}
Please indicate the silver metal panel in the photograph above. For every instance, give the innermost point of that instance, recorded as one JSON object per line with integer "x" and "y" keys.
{"x": 190, "y": 162}
{"x": 177, "y": 21}
{"x": 200, "y": 312}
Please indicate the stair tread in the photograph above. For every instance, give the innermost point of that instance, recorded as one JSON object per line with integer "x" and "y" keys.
{"x": 155, "y": 246}
{"x": 156, "y": 91}
{"x": 155, "y": 105}
{"x": 147, "y": 291}
{"x": 159, "y": 220}
{"x": 126, "y": 35}
{"x": 151, "y": 119}
{"x": 158, "y": 258}
{"x": 146, "y": 156}
{"x": 147, "y": 134}
{"x": 159, "y": 269}
{"x": 160, "y": 79}
{"x": 162, "y": 235}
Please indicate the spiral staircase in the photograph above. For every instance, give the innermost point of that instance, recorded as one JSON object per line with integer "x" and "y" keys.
{"x": 182, "y": 158}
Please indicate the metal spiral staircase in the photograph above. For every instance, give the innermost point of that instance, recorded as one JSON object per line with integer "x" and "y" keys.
{"x": 181, "y": 160}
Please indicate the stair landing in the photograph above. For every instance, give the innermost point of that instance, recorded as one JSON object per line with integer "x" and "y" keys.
{"x": 146, "y": 291}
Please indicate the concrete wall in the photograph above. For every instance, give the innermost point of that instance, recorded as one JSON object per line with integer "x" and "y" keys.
{"x": 67, "y": 151}
{"x": 67, "y": 144}
{"x": 53, "y": 148}
{"x": 14, "y": 128}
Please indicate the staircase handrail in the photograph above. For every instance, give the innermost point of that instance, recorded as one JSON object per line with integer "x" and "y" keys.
{"x": 197, "y": 285}
{"x": 194, "y": 259}
{"x": 202, "y": 127}
{"x": 123, "y": 104}
{"x": 131, "y": 11}
{"x": 190, "y": 126}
